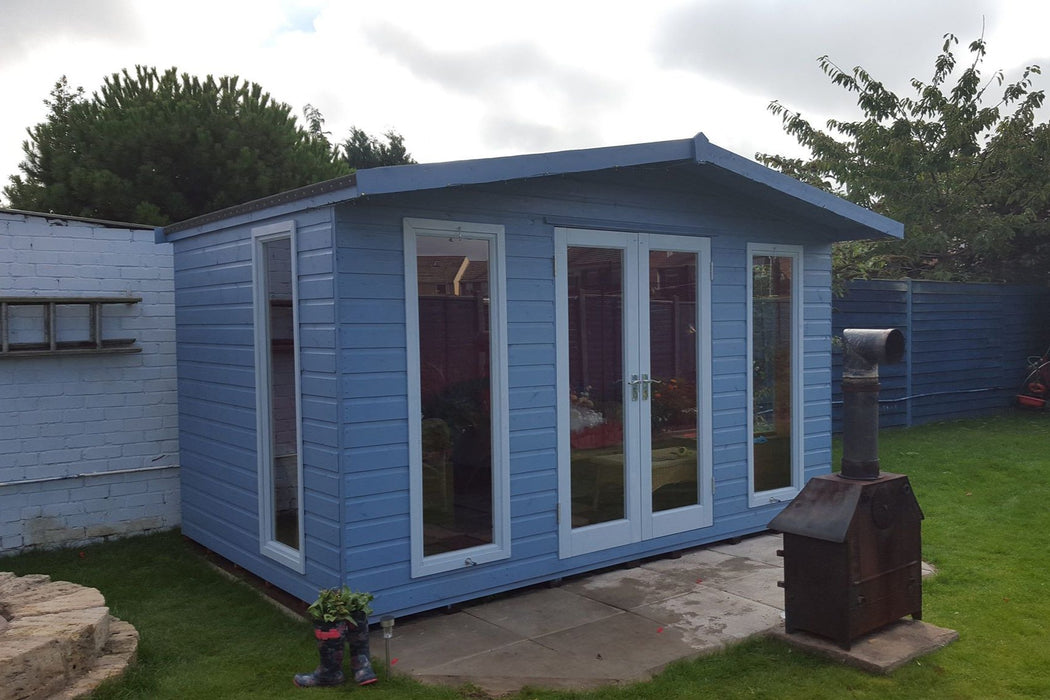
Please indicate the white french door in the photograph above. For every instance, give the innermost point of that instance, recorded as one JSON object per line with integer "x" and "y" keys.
{"x": 634, "y": 406}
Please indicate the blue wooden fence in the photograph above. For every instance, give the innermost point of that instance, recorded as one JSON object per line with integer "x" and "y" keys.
{"x": 967, "y": 345}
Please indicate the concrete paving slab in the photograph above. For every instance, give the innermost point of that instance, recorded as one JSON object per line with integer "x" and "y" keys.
{"x": 625, "y": 625}
{"x": 761, "y": 548}
{"x": 512, "y": 667}
{"x": 432, "y": 640}
{"x": 541, "y": 611}
{"x": 882, "y": 651}
{"x": 625, "y": 646}
{"x": 629, "y": 588}
{"x": 530, "y": 662}
{"x": 709, "y": 618}
{"x": 707, "y": 567}
{"x": 760, "y": 586}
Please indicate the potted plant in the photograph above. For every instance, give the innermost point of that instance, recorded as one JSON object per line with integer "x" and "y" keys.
{"x": 340, "y": 616}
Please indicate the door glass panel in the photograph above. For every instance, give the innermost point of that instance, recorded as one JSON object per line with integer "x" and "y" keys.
{"x": 284, "y": 425}
{"x": 672, "y": 360}
{"x": 596, "y": 373}
{"x": 771, "y": 334}
{"x": 455, "y": 358}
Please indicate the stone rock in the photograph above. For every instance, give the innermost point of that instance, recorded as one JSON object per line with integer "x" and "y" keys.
{"x": 57, "y": 639}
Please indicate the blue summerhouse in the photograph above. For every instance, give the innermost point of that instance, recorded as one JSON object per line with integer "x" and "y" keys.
{"x": 438, "y": 382}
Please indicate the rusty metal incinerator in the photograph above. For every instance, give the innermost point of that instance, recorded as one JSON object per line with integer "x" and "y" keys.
{"x": 852, "y": 541}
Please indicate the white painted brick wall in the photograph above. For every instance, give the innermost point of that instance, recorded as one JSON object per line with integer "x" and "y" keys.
{"x": 94, "y": 437}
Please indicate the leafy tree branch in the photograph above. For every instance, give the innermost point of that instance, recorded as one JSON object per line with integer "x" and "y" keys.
{"x": 968, "y": 176}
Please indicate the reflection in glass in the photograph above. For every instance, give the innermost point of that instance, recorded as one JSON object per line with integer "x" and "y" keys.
{"x": 672, "y": 353}
{"x": 452, "y": 275}
{"x": 284, "y": 425}
{"x": 771, "y": 348}
{"x": 596, "y": 324}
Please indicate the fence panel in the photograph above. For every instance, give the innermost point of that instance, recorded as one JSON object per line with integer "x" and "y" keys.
{"x": 967, "y": 345}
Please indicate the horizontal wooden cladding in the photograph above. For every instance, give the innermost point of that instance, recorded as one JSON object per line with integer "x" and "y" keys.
{"x": 218, "y": 422}
{"x": 374, "y": 404}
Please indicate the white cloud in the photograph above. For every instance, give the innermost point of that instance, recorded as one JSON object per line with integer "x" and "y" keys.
{"x": 465, "y": 79}
{"x": 772, "y": 47}
{"x": 31, "y": 24}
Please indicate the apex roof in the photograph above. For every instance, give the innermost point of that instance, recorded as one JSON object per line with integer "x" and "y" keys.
{"x": 692, "y": 160}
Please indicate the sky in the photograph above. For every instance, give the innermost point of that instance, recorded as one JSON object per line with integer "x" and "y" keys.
{"x": 462, "y": 79}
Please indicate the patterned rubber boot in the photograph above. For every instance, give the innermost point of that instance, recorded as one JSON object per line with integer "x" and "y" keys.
{"x": 360, "y": 657}
{"x": 330, "y": 638}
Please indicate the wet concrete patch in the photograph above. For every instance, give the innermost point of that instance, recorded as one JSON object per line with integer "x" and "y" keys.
{"x": 707, "y": 567}
{"x": 709, "y": 618}
{"x": 628, "y": 588}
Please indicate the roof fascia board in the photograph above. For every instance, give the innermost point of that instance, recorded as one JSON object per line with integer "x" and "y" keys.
{"x": 396, "y": 179}
{"x": 708, "y": 153}
{"x": 401, "y": 178}
{"x": 282, "y": 204}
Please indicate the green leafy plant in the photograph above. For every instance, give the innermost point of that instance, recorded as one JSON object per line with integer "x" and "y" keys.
{"x": 339, "y": 604}
{"x": 964, "y": 170}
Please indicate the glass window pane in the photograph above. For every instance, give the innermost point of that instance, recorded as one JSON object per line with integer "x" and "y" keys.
{"x": 284, "y": 424}
{"x": 596, "y": 373}
{"x": 452, "y": 276}
{"x": 771, "y": 334}
{"x": 672, "y": 358}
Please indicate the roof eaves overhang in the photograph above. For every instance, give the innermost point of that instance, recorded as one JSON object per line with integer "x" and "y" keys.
{"x": 401, "y": 179}
{"x": 859, "y": 223}
{"x": 316, "y": 195}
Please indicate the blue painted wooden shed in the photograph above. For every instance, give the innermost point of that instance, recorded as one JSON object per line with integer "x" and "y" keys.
{"x": 438, "y": 382}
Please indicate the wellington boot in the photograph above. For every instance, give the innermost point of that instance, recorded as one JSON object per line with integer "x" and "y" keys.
{"x": 330, "y": 639}
{"x": 360, "y": 657}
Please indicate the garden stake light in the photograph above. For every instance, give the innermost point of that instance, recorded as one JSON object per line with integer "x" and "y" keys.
{"x": 387, "y": 623}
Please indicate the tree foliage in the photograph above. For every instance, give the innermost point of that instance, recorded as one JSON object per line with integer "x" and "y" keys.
{"x": 362, "y": 151}
{"x": 154, "y": 148}
{"x": 969, "y": 177}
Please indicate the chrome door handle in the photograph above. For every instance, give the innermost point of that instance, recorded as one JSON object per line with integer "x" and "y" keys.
{"x": 634, "y": 382}
{"x": 645, "y": 386}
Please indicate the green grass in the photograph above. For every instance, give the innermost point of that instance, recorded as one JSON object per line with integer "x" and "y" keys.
{"x": 982, "y": 485}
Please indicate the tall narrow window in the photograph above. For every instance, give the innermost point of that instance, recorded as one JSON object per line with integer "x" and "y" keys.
{"x": 277, "y": 386}
{"x": 774, "y": 327}
{"x": 458, "y": 394}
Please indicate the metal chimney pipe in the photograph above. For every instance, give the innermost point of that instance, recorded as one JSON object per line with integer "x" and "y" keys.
{"x": 864, "y": 350}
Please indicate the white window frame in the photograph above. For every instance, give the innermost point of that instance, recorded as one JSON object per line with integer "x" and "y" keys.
{"x": 798, "y": 419}
{"x": 500, "y": 547}
{"x": 292, "y": 558}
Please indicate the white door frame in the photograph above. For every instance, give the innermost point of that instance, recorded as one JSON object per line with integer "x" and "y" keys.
{"x": 639, "y": 521}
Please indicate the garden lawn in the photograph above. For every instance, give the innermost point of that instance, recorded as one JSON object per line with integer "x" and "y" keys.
{"x": 982, "y": 484}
